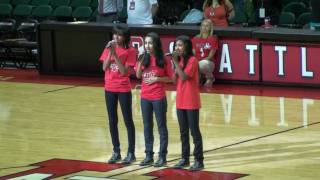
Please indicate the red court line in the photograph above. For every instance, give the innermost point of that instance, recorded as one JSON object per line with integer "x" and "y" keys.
{"x": 32, "y": 76}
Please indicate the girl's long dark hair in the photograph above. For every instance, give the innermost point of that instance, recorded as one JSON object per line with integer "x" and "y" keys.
{"x": 123, "y": 30}
{"x": 157, "y": 51}
{"x": 187, "y": 48}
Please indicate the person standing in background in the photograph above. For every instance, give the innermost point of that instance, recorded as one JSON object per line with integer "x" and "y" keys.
{"x": 188, "y": 102}
{"x": 108, "y": 10}
{"x": 204, "y": 48}
{"x": 218, "y": 11}
{"x": 116, "y": 59}
{"x": 141, "y": 11}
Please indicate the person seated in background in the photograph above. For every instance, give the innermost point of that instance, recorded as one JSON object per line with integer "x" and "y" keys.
{"x": 218, "y": 11}
{"x": 141, "y": 11}
{"x": 204, "y": 47}
{"x": 108, "y": 9}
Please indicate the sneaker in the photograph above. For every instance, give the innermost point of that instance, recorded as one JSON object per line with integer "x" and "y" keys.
{"x": 197, "y": 166}
{"x": 160, "y": 162}
{"x": 114, "y": 158}
{"x": 182, "y": 163}
{"x": 129, "y": 158}
{"x": 147, "y": 161}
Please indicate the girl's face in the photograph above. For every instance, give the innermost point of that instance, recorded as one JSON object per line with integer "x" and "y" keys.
{"x": 205, "y": 27}
{"x": 180, "y": 47}
{"x": 118, "y": 38}
{"x": 148, "y": 44}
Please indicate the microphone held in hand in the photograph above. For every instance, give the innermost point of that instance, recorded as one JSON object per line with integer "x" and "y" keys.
{"x": 110, "y": 43}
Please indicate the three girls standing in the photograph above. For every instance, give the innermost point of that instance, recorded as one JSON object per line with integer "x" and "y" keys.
{"x": 154, "y": 71}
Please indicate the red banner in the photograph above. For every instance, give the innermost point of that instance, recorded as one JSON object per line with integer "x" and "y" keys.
{"x": 238, "y": 59}
{"x": 290, "y": 63}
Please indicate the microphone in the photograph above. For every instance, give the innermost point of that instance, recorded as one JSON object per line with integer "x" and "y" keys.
{"x": 168, "y": 54}
{"x": 110, "y": 43}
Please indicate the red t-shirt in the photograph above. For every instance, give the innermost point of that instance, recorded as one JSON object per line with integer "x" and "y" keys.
{"x": 217, "y": 15}
{"x": 203, "y": 46}
{"x": 154, "y": 91}
{"x": 114, "y": 80}
{"x": 188, "y": 94}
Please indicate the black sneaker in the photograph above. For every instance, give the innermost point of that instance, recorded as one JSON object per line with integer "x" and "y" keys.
{"x": 182, "y": 163}
{"x": 129, "y": 158}
{"x": 197, "y": 166}
{"x": 114, "y": 158}
{"x": 147, "y": 161}
{"x": 160, "y": 162}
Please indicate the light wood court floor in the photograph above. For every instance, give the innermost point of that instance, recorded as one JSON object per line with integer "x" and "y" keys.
{"x": 56, "y": 132}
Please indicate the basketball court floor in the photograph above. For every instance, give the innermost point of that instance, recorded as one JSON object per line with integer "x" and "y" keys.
{"x": 55, "y": 127}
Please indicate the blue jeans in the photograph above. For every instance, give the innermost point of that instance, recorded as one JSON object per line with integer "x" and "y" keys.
{"x": 125, "y": 99}
{"x": 159, "y": 107}
{"x": 189, "y": 120}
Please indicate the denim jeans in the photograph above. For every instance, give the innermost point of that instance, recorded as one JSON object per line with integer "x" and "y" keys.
{"x": 189, "y": 119}
{"x": 125, "y": 99}
{"x": 159, "y": 107}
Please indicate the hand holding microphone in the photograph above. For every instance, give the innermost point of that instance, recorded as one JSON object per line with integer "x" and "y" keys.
{"x": 110, "y": 44}
{"x": 175, "y": 56}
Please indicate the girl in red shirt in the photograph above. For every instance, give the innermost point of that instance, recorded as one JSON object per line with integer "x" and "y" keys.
{"x": 154, "y": 71}
{"x": 116, "y": 59}
{"x": 204, "y": 48}
{"x": 218, "y": 11}
{"x": 186, "y": 70}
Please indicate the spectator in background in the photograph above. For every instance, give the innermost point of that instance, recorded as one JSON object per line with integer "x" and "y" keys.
{"x": 108, "y": 10}
{"x": 204, "y": 47}
{"x": 141, "y": 11}
{"x": 218, "y": 11}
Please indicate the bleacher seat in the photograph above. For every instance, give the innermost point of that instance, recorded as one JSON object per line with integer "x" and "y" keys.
{"x": 17, "y": 2}
{"x": 304, "y": 19}
{"x": 78, "y": 3}
{"x": 287, "y": 19}
{"x": 306, "y": 2}
{"x": 240, "y": 18}
{"x": 296, "y": 8}
{"x": 42, "y": 12}
{"x": 39, "y": 2}
{"x": 5, "y": 1}
{"x": 22, "y": 11}
{"x": 63, "y": 13}
{"x": 5, "y": 10}
{"x": 57, "y": 3}
{"x": 252, "y": 19}
{"x": 82, "y": 13}
{"x": 285, "y": 2}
